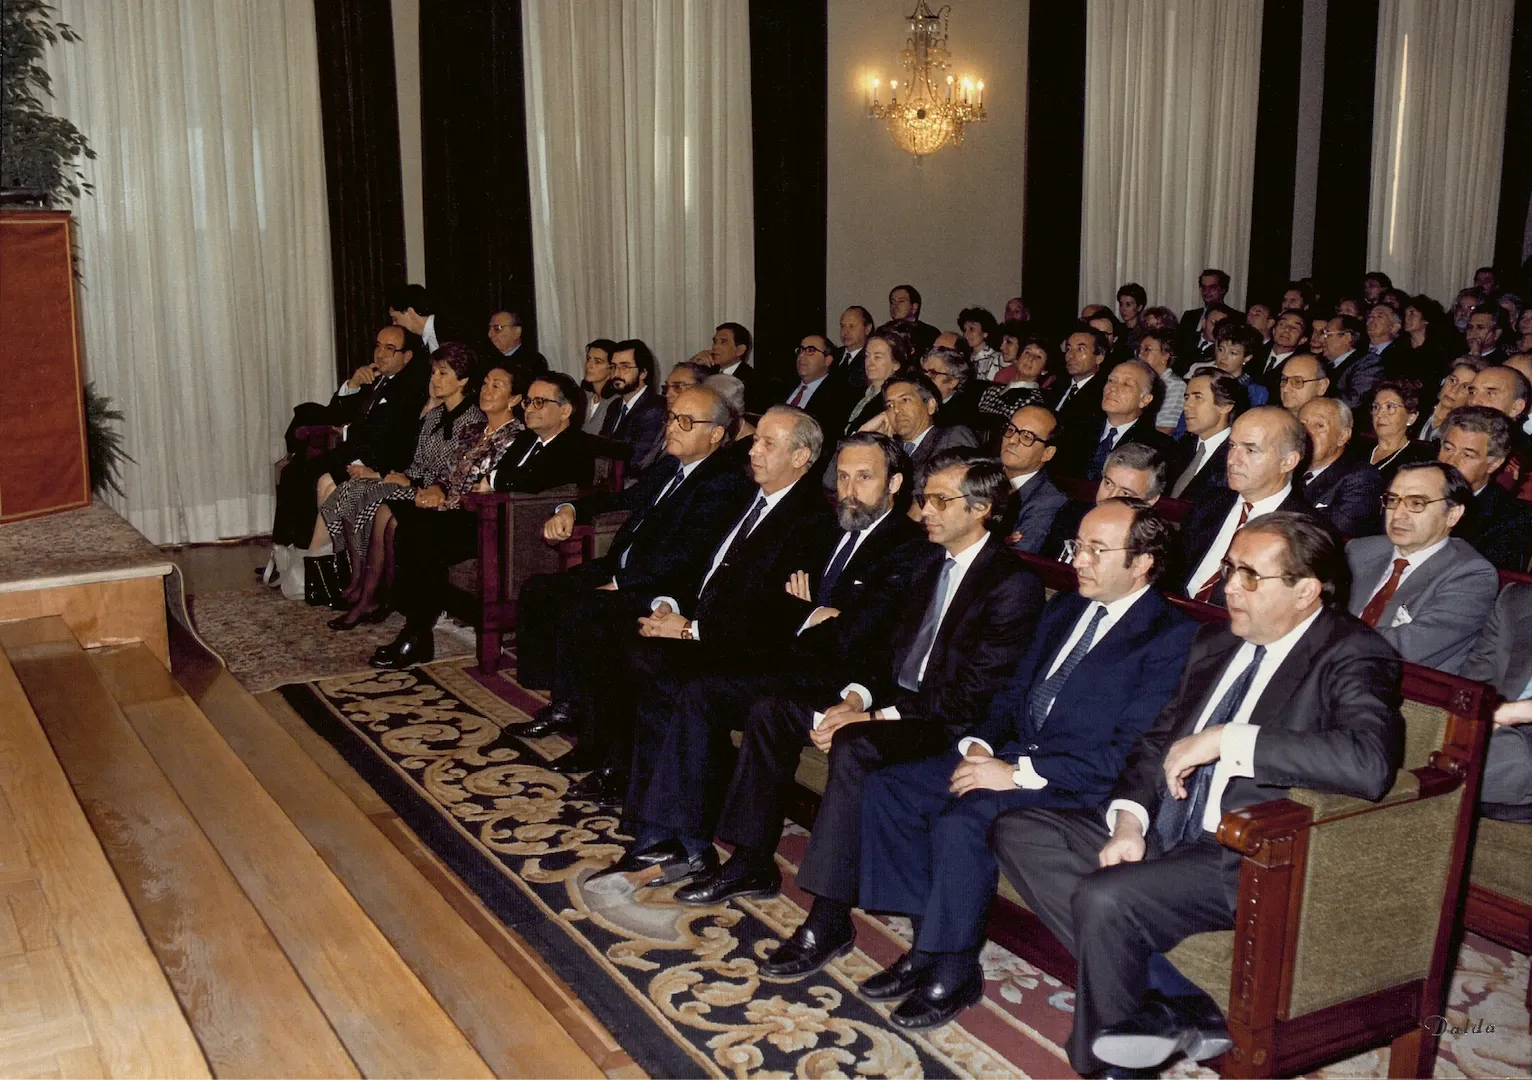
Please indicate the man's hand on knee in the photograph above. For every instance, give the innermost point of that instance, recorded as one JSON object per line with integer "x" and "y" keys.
{"x": 1126, "y": 844}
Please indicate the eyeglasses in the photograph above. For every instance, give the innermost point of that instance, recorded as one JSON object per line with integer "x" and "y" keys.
{"x": 624, "y": 365}
{"x": 496, "y": 327}
{"x": 1022, "y": 435}
{"x": 801, "y": 349}
{"x": 938, "y": 373}
{"x": 1415, "y": 504}
{"x": 1248, "y": 579}
{"x": 684, "y": 422}
{"x": 540, "y": 402}
{"x": 392, "y": 350}
{"x": 1086, "y": 551}
{"x": 1386, "y": 406}
{"x": 1298, "y": 382}
{"x": 941, "y": 501}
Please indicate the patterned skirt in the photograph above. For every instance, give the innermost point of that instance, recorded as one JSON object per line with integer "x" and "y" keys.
{"x": 354, "y": 504}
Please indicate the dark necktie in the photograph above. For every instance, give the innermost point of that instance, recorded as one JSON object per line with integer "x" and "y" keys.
{"x": 1098, "y": 459}
{"x": 1040, "y": 700}
{"x": 378, "y": 386}
{"x": 612, "y": 428}
{"x": 1374, "y": 609}
{"x": 796, "y": 400}
{"x": 1180, "y": 820}
{"x": 537, "y": 448}
{"x": 1210, "y": 586}
{"x": 837, "y": 564}
{"x": 736, "y": 545}
{"x": 1185, "y": 479}
{"x": 639, "y": 518}
{"x": 925, "y": 637}
{"x": 1069, "y": 392}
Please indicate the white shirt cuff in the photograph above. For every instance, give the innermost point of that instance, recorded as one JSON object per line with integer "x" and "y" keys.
{"x": 675, "y": 605}
{"x": 346, "y": 390}
{"x": 557, "y": 509}
{"x": 1236, "y": 748}
{"x": 891, "y": 713}
{"x": 1117, "y": 806}
{"x": 968, "y": 740}
{"x": 805, "y": 625}
{"x": 1027, "y": 778}
{"x": 696, "y": 630}
{"x": 861, "y": 692}
{"x": 491, "y": 477}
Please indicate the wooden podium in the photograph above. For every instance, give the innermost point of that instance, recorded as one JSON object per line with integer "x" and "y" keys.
{"x": 43, "y": 464}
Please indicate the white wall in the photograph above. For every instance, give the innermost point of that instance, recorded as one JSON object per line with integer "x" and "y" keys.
{"x": 950, "y": 226}
{"x": 406, "y": 16}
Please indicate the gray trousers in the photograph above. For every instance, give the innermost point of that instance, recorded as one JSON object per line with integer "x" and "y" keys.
{"x": 1508, "y": 766}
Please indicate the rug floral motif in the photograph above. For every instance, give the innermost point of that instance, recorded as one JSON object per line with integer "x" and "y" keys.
{"x": 680, "y": 987}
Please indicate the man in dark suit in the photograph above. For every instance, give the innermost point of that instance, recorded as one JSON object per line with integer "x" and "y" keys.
{"x": 730, "y": 354}
{"x": 910, "y": 403}
{"x": 553, "y": 451}
{"x": 413, "y": 308}
{"x": 952, "y": 372}
{"x": 1078, "y": 403}
{"x": 636, "y": 415}
{"x": 1341, "y": 487}
{"x": 1287, "y": 335}
{"x": 967, "y": 622}
{"x": 1384, "y": 324}
{"x": 1102, "y": 663}
{"x": 850, "y": 369}
{"x": 430, "y": 538}
{"x": 740, "y": 609}
{"x": 817, "y": 391}
{"x": 1128, "y": 396}
{"x": 1213, "y": 285}
{"x": 1133, "y": 471}
{"x": 1353, "y": 371}
{"x": 904, "y": 312}
{"x": 1266, "y": 445}
{"x": 1291, "y": 692}
{"x": 1427, "y": 592}
{"x": 569, "y": 624}
{"x": 1477, "y": 440}
{"x": 505, "y": 336}
{"x": 1025, "y": 447}
{"x": 843, "y": 619}
{"x": 379, "y": 407}
{"x": 1200, "y": 460}
{"x": 1503, "y": 658}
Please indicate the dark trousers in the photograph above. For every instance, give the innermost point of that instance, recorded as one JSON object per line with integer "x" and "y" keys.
{"x": 426, "y": 544}
{"x": 832, "y": 865}
{"x": 925, "y": 851}
{"x": 1112, "y": 919}
{"x": 681, "y": 743}
{"x": 297, "y": 504}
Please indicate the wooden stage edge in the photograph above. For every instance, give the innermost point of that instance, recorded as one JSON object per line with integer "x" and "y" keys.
{"x": 111, "y": 607}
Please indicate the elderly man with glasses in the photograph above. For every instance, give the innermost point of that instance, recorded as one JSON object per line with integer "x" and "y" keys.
{"x": 826, "y": 399}
{"x": 1026, "y": 445}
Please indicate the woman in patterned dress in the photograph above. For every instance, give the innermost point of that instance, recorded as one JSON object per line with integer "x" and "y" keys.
{"x": 476, "y": 457}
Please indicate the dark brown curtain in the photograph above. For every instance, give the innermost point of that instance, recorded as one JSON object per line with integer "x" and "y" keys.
{"x": 1276, "y": 151}
{"x": 1343, "y": 190}
{"x": 1516, "y": 166}
{"x": 360, "y": 112}
{"x": 478, "y": 205}
{"x": 789, "y": 71}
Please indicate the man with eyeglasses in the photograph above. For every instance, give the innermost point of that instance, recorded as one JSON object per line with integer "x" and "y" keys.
{"x": 569, "y": 624}
{"x": 505, "y": 334}
{"x": 1426, "y": 591}
{"x": 1476, "y": 440}
{"x": 1102, "y": 663}
{"x": 1265, "y": 448}
{"x": 819, "y": 394}
{"x": 1025, "y": 447}
{"x": 1353, "y": 373}
{"x": 544, "y": 456}
{"x": 951, "y": 370}
{"x": 636, "y": 415}
{"x": 1290, "y": 692}
{"x": 1304, "y": 378}
{"x": 966, "y": 621}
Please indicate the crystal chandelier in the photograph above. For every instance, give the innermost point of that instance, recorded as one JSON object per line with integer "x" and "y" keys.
{"x": 931, "y": 111}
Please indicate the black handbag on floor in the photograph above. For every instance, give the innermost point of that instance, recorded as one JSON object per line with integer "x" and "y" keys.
{"x": 325, "y": 577}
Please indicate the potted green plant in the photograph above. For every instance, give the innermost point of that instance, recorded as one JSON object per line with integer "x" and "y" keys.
{"x": 39, "y": 152}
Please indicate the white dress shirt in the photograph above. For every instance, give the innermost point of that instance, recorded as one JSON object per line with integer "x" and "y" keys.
{"x": 1220, "y": 545}
{"x": 914, "y": 444}
{"x": 1018, "y": 482}
{"x": 1412, "y": 561}
{"x": 1210, "y": 447}
{"x": 428, "y": 335}
{"x": 1027, "y": 777}
{"x": 963, "y": 560}
{"x": 541, "y": 442}
{"x": 861, "y": 538}
{"x": 1236, "y": 746}
{"x": 808, "y": 391}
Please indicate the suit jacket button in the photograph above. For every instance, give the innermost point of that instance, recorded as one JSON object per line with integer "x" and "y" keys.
{"x": 1031, "y": 748}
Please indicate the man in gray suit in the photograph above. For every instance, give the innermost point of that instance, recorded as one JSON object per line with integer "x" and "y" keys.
{"x": 1503, "y": 658}
{"x": 1427, "y": 592}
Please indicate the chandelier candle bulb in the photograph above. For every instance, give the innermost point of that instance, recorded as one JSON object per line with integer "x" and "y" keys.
{"x": 929, "y": 118}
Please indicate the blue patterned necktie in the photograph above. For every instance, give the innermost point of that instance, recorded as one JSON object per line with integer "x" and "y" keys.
{"x": 837, "y": 564}
{"x": 1098, "y": 459}
{"x": 1040, "y": 700}
{"x": 925, "y": 637}
{"x": 1180, "y": 820}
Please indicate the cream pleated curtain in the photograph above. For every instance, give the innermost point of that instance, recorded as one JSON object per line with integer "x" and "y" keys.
{"x": 1170, "y": 108}
{"x": 204, "y": 252}
{"x": 1438, "y": 136}
{"x": 638, "y": 123}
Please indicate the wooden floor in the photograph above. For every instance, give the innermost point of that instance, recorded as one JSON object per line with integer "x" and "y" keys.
{"x": 223, "y": 840}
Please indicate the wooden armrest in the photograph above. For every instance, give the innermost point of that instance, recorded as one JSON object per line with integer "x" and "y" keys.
{"x": 310, "y": 431}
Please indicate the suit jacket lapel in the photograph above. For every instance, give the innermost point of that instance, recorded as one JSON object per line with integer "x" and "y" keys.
{"x": 1204, "y": 672}
{"x": 1273, "y": 703}
{"x": 1107, "y": 651}
{"x": 966, "y": 592}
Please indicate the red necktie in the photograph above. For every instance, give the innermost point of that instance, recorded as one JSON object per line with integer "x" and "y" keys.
{"x": 797, "y": 398}
{"x": 1205, "y": 594}
{"x": 1374, "y": 609}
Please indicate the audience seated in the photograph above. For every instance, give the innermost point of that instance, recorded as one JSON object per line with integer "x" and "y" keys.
{"x": 965, "y": 623}
{"x": 1077, "y": 403}
{"x": 1477, "y": 441}
{"x": 1200, "y": 459}
{"x": 1095, "y": 675}
{"x": 1286, "y": 342}
{"x": 1395, "y": 409}
{"x": 1132, "y": 471}
{"x": 433, "y": 533}
{"x": 1353, "y": 372}
{"x": 1235, "y": 346}
{"x": 1453, "y": 395}
{"x": 827, "y": 400}
{"x": 952, "y": 374}
{"x": 910, "y": 403}
{"x": 846, "y": 602}
{"x": 1305, "y": 377}
{"x": 1128, "y": 394}
{"x": 596, "y": 383}
{"x": 904, "y": 312}
{"x": 1026, "y": 360}
{"x": 1025, "y": 447}
{"x": 1266, "y": 446}
{"x": 1427, "y": 592}
{"x": 848, "y": 369}
{"x": 1157, "y": 348}
{"x": 636, "y": 415}
{"x": 1487, "y": 325}
{"x": 1340, "y": 486}
{"x": 981, "y": 334}
{"x": 1131, "y": 302}
{"x": 1384, "y": 325}
{"x": 730, "y": 355}
{"x": 1290, "y": 692}
{"x": 1502, "y": 657}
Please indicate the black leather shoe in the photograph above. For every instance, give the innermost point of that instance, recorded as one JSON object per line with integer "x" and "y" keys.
{"x": 896, "y": 981}
{"x": 807, "y": 952}
{"x": 934, "y": 1003}
{"x": 668, "y": 857}
{"x": 406, "y": 650}
{"x": 736, "y": 878}
{"x": 577, "y": 760}
{"x": 553, "y": 718}
{"x": 1159, "y": 1031}
{"x": 606, "y": 786}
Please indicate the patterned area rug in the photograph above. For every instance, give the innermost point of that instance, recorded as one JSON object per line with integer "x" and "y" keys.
{"x": 680, "y": 987}
{"x": 267, "y": 641}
